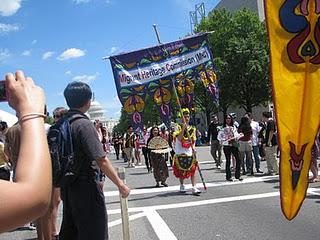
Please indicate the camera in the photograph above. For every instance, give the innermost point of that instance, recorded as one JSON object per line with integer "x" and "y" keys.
{"x": 3, "y": 92}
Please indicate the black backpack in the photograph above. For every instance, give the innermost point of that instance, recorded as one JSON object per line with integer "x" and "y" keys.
{"x": 65, "y": 169}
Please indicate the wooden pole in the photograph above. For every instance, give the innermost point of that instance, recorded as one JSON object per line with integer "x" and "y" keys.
{"x": 124, "y": 207}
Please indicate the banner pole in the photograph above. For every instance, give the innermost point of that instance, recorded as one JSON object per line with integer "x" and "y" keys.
{"x": 157, "y": 33}
{"x": 124, "y": 208}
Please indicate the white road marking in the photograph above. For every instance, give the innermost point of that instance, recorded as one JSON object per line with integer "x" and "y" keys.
{"x": 160, "y": 227}
{"x": 176, "y": 187}
{"x": 132, "y": 217}
{"x": 205, "y": 202}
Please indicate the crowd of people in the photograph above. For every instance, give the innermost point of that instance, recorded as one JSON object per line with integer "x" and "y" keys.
{"x": 243, "y": 144}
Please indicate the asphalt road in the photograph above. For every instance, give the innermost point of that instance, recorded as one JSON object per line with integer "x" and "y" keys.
{"x": 227, "y": 210}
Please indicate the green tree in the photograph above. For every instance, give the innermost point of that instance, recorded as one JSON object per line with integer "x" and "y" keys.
{"x": 240, "y": 48}
{"x": 124, "y": 122}
{"x": 201, "y": 101}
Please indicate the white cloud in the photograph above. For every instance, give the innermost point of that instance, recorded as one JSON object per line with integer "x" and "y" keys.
{"x": 4, "y": 55}
{"x": 85, "y": 78}
{"x": 71, "y": 53}
{"x": 6, "y": 28}
{"x": 9, "y": 7}
{"x": 26, "y": 53}
{"x": 34, "y": 42}
{"x": 68, "y": 72}
{"x": 81, "y": 1}
{"x": 113, "y": 50}
{"x": 47, "y": 55}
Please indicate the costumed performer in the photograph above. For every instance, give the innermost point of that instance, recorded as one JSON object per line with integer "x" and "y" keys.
{"x": 158, "y": 147}
{"x": 185, "y": 163}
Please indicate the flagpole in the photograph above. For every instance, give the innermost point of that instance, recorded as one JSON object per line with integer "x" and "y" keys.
{"x": 157, "y": 33}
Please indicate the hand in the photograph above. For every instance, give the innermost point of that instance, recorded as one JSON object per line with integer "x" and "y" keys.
{"x": 124, "y": 190}
{"x": 23, "y": 95}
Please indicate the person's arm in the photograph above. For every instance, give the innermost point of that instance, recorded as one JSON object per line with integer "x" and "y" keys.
{"x": 27, "y": 198}
{"x": 180, "y": 134}
{"x": 107, "y": 168}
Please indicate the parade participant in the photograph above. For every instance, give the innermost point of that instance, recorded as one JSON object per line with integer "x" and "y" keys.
{"x": 139, "y": 143}
{"x": 26, "y": 199}
{"x": 215, "y": 146}
{"x": 84, "y": 209}
{"x": 228, "y": 135}
{"x": 145, "y": 151}
{"x": 185, "y": 163}
{"x": 116, "y": 144}
{"x": 158, "y": 147}
{"x": 128, "y": 145}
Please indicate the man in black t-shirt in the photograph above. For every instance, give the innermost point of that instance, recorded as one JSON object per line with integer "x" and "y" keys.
{"x": 215, "y": 146}
{"x": 84, "y": 210}
{"x": 270, "y": 142}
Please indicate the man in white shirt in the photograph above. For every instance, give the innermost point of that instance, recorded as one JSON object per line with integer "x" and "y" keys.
{"x": 255, "y": 141}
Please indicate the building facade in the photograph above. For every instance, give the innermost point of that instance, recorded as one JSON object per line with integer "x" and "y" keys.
{"x": 234, "y": 5}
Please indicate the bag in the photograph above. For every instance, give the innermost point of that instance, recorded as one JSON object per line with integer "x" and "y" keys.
{"x": 5, "y": 172}
{"x": 65, "y": 169}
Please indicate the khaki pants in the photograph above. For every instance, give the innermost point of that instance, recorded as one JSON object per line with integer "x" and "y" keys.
{"x": 272, "y": 163}
{"x": 130, "y": 154}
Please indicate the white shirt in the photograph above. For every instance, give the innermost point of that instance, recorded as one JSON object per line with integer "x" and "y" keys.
{"x": 181, "y": 150}
{"x": 226, "y": 133}
{"x": 255, "y": 131}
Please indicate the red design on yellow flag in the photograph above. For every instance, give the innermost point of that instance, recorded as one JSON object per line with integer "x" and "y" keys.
{"x": 294, "y": 35}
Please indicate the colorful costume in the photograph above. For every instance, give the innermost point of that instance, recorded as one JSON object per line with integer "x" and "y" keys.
{"x": 184, "y": 162}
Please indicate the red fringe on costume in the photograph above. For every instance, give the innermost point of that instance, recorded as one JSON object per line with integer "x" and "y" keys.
{"x": 178, "y": 173}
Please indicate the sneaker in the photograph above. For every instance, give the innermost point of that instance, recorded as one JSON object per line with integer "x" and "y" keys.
{"x": 259, "y": 171}
{"x": 195, "y": 191}
{"x": 229, "y": 179}
{"x": 218, "y": 166}
{"x": 182, "y": 188}
{"x": 157, "y": 185}
{"x": 31, "y": 226}
{"x": 164, "y": 184}
{"x": 133, "y": 165}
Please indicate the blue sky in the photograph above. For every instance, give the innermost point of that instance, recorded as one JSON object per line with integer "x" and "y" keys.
{"x": 59, "y": 41}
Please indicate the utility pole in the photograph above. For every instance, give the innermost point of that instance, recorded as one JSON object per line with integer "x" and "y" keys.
{"x": 200, "y": 12}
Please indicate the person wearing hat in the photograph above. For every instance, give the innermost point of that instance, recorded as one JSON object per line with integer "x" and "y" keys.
{"x": 185, "y": 163}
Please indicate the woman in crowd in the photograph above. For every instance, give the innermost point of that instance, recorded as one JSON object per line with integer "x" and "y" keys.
{"x": 245, "y": 145}
{"x": 159, "y": 164}
{"x": 229, "y": 136}
{"x": 26, "y": 199}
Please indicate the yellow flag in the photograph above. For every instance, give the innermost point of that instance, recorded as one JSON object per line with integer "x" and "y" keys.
{"x": 294, "y": 36}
